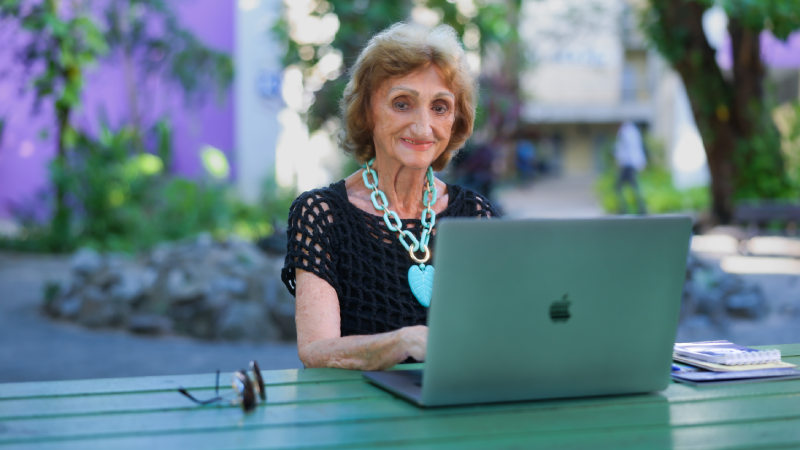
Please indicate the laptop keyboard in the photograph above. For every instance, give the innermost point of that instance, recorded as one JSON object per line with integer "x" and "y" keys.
{"x": 416, "y": 377}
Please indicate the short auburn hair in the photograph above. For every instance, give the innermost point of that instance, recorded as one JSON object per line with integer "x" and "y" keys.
{"x": 395, "y": 52}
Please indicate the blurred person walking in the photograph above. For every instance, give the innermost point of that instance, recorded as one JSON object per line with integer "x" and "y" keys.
{"x": 630, "y": 157}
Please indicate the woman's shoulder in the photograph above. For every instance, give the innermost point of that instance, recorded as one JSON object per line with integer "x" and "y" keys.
{"x": 468, "y": 203}
{"x": 326, "y": 198}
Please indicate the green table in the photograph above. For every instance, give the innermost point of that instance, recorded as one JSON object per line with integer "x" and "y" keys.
{"x": 336, "y": 408}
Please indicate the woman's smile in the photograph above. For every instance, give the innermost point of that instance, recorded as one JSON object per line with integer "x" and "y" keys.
{"x": 415, "y": 144}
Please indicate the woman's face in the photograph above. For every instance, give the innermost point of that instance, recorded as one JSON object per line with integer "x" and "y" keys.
{"x": 413, "y": 117}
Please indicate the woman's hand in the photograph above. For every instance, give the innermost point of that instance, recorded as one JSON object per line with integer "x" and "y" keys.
{"x": 413, "y": 342}
{"x": 319, "y": 341}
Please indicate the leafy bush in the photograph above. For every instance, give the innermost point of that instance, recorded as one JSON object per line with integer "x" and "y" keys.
{"x": 659, "y": 194}
{"x": 787, "y": 120}
{"x": 123, "y": 200}
{"x": 655, "y": 184}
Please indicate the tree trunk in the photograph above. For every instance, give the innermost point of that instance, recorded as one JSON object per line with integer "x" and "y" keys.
{"x": 759, "y": 148}
{"x": 729, "y": 115}
{"x": 62, "y": 218}
{"x": 748, "y": 75}
{"x": 683, "y": 42}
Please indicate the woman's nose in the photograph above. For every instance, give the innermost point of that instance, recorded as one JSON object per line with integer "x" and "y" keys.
{"x": 422, "y": 124}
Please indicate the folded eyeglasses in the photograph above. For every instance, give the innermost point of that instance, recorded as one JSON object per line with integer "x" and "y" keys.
{"x": 246, "y": 389}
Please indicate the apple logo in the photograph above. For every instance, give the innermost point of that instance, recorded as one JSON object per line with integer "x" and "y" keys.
{"x": 559, "y": 310}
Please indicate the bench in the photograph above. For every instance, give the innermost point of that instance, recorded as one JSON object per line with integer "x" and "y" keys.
{"x": 759, "y": 215}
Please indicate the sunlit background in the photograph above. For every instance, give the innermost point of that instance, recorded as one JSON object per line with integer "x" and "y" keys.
{"x": 149, "y": 152}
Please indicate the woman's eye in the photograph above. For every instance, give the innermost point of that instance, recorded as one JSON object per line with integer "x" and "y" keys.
{"x": 401, "y": 105}
{"x": 440, "y": 109}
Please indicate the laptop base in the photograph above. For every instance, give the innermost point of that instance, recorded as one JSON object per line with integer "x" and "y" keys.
{"x": 405, "y": 383}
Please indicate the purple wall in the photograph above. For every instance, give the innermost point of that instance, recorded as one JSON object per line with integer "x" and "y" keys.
{"x": 775, "y": 53}
{"x": 24, "y": 155}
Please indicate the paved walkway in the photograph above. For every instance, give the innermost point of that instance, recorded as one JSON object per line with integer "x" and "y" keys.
{"x": 558, "y": 197}
{"x": 34, "y": 347}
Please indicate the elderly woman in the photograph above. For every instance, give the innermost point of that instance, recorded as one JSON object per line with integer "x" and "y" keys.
{"x": 357, "y": 246}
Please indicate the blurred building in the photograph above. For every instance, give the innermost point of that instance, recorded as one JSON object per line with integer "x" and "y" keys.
{"x": 591, "y": 70}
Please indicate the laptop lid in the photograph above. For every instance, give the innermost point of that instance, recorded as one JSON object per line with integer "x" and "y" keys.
{"x": 533, "y": 309}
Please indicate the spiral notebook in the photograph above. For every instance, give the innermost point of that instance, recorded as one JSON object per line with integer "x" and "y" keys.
{"x": 727, "y": 353}
{"x": 699, "y": 377}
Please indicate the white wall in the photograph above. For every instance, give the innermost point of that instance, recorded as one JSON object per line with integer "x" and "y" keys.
{"x": 575, "y": 49}
{"x": 258, "y": 94}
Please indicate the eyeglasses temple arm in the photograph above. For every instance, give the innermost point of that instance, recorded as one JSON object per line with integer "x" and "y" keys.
{"x": 202, "y": 402}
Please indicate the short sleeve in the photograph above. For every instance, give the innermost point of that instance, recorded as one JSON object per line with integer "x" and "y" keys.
{"x": 479, "y": 206}
{"x": 311, "y": 240}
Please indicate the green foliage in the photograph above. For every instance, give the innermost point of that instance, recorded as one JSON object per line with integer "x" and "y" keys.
{"x": 658, "y": 192}
{"x": 787, "y": 119}
{"x": 65, "y": 45}
{"x": 679, "y": 45}
{"x": 762, "y": 173}
{"x": 149, "y": 34}
{"x": 356, "y": 25}
{"x": 778, "y": 16}
{"x": 494, "y": 23}
{"x": 124, "y": 201}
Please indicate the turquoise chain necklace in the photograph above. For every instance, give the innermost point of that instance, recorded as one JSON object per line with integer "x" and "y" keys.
{"x": 420, "y": 276}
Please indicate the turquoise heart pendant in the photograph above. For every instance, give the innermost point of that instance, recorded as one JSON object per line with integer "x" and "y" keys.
{"x": 420, "y": 278}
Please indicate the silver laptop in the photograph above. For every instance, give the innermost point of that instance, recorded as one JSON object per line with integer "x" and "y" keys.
{"x": 536, "y": 309}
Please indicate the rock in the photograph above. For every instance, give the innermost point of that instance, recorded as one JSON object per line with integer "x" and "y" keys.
{"x": 160, "y": 255}
{"x": 718, "y": 296}
{"x": 248, "y": 254}
{"x": 246, "y": 320}
{"x": 275, "y": 244}
{"x": 86, "y": 262}
{"x": 97, "y": 310}
{"x": 149, "y": 324}
{"x": 148, "y": 278}
{"x": 285, "y": 320}
{"x": 199, "y": 286}
{"x": 180, "y": 288}
{"x": 129, "y": 288}
{"x": 280, "y": 302}
{"x": 204, "y": 240}
{"x": 697, "y": 323}
{"x": 216, "y": 301}
{"x": 202, "y": 325}
{"x": 729, "y": 284}
{"x": 748, "y": 303}
{"x": 282, "y": 311}
{"x": 69, "y": 307}
{"x": 229, "y": 285}
{"x": 789, "y": 310}
{"x": 105, "y": 278}
{"x": 710, "y": 304}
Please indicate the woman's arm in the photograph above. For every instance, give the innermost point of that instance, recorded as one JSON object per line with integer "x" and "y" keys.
{"x": 319, "y": 339}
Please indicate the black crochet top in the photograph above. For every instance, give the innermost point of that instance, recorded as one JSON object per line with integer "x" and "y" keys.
{"x": 361, "y": 259}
